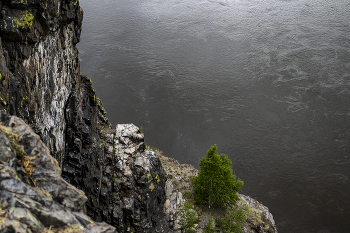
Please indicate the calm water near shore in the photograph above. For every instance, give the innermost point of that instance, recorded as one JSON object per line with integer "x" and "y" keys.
{"x": 267, "y": 81}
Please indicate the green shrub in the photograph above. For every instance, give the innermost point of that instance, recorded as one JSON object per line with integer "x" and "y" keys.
{"x": 234, "y": 219}
{"x": 210, "y": 227}
{"x": 215, "y": 184}
{"x": 187, "y": 217}
{"x": 187, "y": 194}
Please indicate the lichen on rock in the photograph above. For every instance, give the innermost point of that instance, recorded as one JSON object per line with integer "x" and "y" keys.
{"x": 25, "y": 20}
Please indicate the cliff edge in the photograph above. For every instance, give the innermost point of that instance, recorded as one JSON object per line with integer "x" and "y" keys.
{"x": 71, "y": 141}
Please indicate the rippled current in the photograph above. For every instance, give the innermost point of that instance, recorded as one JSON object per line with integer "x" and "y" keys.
{"x": 268, "y": 81}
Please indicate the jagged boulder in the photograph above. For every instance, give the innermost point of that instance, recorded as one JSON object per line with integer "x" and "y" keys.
{"x": 33, "y": 195}
{"x": 125, "y": 184}
{"x": 259, "y": 219}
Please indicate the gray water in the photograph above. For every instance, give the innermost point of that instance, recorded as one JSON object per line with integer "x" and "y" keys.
{"x": 268, "y": 81}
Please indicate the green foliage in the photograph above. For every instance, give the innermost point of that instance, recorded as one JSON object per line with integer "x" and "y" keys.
{"x": 141, "y": 129}
{"x": 234, "y": 219}
{"x": 188, "y": 217}
{"x": 215, "y": 184}
{"x": 210, "y": 227}
{"x": 187, "y": 194}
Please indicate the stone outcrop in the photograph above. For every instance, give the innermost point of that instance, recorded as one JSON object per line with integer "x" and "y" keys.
{"x": 40, "y": 82}
{"x": 33, "y": 195}
{"x": 178, "y": 188}
{"x": 260, "y": 219}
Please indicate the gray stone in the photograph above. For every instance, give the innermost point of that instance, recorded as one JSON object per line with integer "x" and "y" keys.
{"x": 57, "y": 218}
{"x": 26, "y": 217}
{"x": 259, "y": 219}
{"x": 99, "y": 228}
{"x": 13, "y": 226}
{"x": 6, "y": 151}
{"x": 49, "y": 200}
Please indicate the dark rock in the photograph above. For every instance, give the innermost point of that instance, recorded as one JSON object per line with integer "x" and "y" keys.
{"x": 48, "y": 201}
{"x": 6, "y": 153}
{"x": 99, "y": 228}
{"x": 13, "y": 226}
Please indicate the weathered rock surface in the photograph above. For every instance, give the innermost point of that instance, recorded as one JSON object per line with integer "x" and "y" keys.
{"x": 124, "y": 184}
{"x": 33, "y": 195}
{"x": 260, "y": 219}
{"x": 39, "y": 64}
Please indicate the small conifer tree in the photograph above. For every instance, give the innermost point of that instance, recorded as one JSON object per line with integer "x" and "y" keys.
{"x": 215, "y": 184}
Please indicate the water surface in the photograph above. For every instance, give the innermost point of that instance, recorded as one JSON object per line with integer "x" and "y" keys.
{"x": 267, "y": 81}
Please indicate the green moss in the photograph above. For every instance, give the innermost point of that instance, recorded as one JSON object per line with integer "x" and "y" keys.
{"x": 157, "y": 178}
{"x": 19, "y": 2}
{"x": 26, "y": 19}
{"x": 14, "y": 141}
{"x": 149, "y": 176}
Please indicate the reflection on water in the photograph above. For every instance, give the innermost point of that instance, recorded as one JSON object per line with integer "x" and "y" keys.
{"x": 267, "y": 81}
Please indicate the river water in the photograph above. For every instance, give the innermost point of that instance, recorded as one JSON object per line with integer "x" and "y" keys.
{"x": 268, "y": 81}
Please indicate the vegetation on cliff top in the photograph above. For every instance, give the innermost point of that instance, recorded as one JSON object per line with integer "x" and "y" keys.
{"x": 227, "y": 217}
{"x": 215, "y": 184}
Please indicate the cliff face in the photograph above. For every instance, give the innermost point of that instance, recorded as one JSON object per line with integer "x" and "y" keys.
{"x": 40, "y": 64}
{"x": 40, "y": 82}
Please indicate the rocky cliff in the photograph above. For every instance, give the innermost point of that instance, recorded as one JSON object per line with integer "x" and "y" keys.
{"x": 40, "y": 82}
{"x": 33, "y": 195}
